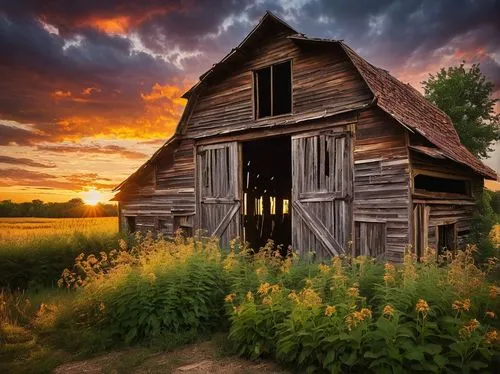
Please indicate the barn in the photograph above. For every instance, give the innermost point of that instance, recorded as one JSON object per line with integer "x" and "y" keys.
{"x": 301, "y": 140}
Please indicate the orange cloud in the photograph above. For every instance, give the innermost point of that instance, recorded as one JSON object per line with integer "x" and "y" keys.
{"x": 112, "y": 25}
{"x": 61, "y": 94}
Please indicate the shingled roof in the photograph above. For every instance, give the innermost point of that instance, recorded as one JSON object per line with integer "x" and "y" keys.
{"x": 411, "y": 109}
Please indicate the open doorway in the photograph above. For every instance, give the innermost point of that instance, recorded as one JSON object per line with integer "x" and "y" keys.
{"x": 267, "y": 185}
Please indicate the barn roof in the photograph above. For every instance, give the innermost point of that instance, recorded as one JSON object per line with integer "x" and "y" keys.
{"x": 404, "y": 103}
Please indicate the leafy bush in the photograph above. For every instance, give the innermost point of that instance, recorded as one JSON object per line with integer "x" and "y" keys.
{"x": 155, "y": 289}
{"x": 355, "y": 315}
{"x": 39, "y": 263}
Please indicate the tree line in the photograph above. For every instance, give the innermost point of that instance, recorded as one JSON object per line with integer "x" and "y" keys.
{"x": 74, "y": 208}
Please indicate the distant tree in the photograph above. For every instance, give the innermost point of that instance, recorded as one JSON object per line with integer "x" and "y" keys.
{"x": 466, "y": 96}
{"x": 72, "y": 208}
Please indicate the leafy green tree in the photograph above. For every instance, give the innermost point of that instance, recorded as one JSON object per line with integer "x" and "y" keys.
{"x": 466, "y": 96}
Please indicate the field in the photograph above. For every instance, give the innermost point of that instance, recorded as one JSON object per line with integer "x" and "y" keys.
{"x": 23, "y": 230}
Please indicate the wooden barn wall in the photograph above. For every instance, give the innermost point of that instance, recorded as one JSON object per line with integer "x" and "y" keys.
{"x": 381, "y": 179}
{"x": 444, "y": 211}
{"x": 322, "y": 80}
{"x": 169, "y": 192}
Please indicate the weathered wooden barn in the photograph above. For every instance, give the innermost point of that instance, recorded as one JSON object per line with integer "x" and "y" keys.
{"x": 303, "y": 141}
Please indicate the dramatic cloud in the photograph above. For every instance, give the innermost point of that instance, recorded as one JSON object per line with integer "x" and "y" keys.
{"x": 93, "y": 149}
{"x": 84, "y": 78}
{"x": 75, "y": 182}
{"x": 24, "y": 162}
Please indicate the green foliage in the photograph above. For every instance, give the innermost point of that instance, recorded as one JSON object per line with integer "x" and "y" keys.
{"x": 39, "y": 263}
{"x": 482, "y": 223}
{"x": 162, "y": 288}
{"x": 432, "y": 316}
{"x": 466, "y": 96}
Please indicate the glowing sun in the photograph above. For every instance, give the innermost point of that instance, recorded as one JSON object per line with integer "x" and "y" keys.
{"x": 92, "y": 197}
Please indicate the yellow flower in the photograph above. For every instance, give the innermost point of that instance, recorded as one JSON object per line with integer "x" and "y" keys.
{"x": 388, "y": 311}
{"x": 353, "y": 292}
{"x": 490, "y": 314}
{"x": 330, "y": 310}
{"x": 323, "y": 268}
{"x": 249, "y": 296}
{"x": 365, "y": 313}
{"x": 388, "y": 278}
{"x": 309, "y": 283}
{"x": 274, "y": 288}
{"x": 469, "y": 328}
{"x": 461, "y": 305}
{"x": 229, "y": 298}
{"x": 309, "y": 297}
{"x": 293, "y": 296}
{"x": 493, "y": 292}
{"x": 237, "y": 309}
{"x": 422, "y": 306}
{"x": 264, "y": 288}
{"x": 267, "y": 300}
{"x": 492, "y": 336}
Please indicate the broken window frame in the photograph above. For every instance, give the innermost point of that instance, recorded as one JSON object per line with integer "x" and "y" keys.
{"x": 256, "y": 107}
{"x": 450, "y": 178}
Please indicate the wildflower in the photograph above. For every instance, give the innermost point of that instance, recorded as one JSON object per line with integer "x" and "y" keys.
{"x": 353, "y": 292}
{"x": 310, "y": 298}
{"x": 388, "y": 311}
{"x": 389, "y": 273}
{"x": 492, "y": 261}
{"x": 469, "y": 328}
{"x": 267, "y": 300}
{"x": 461, "y": 305}
{"x": 490, "y": 314}
{"x": 249, "y": 296}
{"x": 492, "y": 336}
{"x": 264, "y": 288}
{"x": 323, "y": 268}
{"x": 229, "y": 298}
{"x": 366, "y": 313}
{"x": 102, "y": 307}
{"x": 330, "y": 310}
{"x": 309, "y": 283}
{"x": 293, "y": 296}
{"x": 237, "y": 309}
{"x": 422, "y": 306}
{"x": 493, "y": 292}
{"x": 274, "y": 288}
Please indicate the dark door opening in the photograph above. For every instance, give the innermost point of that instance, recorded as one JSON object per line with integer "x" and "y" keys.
{"x": 267, "y": 185}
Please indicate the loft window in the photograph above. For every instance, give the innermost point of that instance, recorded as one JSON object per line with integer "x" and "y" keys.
{"x": 437, "y": 184}
{"x": 273, "y": 90}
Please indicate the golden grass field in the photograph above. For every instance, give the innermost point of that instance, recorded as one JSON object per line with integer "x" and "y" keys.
{"x": 28, "y": 229}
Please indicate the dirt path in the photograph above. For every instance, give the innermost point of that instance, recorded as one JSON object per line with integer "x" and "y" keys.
{"x": 205, "y": 357}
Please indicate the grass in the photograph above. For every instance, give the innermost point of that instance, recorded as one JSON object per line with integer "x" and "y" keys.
{"x": 35, "y": 251}
{"x": 19, "y": 232}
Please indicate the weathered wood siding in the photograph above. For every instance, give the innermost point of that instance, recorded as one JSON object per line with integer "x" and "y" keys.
{"x": 442, "y": 210}
{"x": 381, "y": 178}
{"x": 169, "y": 191}
{"x": 323, "y": 79}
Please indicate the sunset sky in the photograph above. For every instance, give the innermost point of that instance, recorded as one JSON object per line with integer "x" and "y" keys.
{"x": 90, "y": 89}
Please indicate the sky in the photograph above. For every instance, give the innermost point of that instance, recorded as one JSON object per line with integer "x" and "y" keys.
{"x": 89, "y": 89}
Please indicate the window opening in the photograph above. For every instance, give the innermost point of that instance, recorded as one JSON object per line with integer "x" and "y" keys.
{"x": 437, "y": 184}
{"x": 273, "y": 90}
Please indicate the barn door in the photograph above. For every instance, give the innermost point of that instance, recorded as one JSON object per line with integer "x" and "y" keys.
{"x": 218, "y": 190}
{"x": 321, "y": 193}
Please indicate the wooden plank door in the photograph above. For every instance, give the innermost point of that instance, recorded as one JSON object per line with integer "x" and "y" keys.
{"x": 322, "y": 193}
{"x": 218, "y": 190}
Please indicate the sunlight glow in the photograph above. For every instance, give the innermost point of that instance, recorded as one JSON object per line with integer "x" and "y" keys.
{"x": 92, "y": 197}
